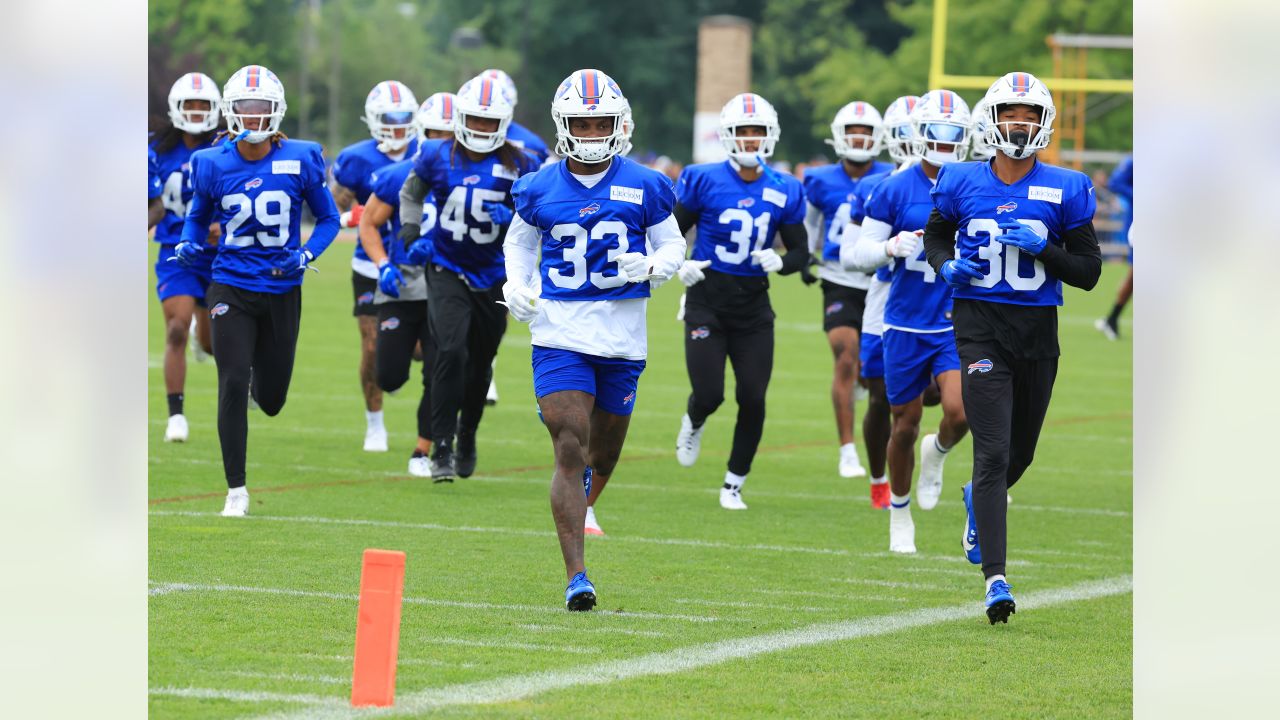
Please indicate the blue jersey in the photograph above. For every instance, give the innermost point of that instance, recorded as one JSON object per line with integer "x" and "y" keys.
{"x": 1049, "y": 199}
{"x": 387, "y": 182}
{"x": 259, "y": 206}
{"x": 354, "y": 168}
{"x": 1121, "y": 183}
{"x": 465, "y": 239}
{"x": 736, "y": 217}
{"x": 830, "y": 189}
{"x": 154, "y": 186}
{"x": 917, "y": 301}
{"x": 523, "y": 137}
{"x": 584, "y": 229}
{"x": 866, "y": 188}
{"x": 171, "y": 166}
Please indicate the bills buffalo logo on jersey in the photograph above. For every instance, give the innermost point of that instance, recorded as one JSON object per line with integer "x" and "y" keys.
{"x": 627, "y": 400}
{"x": 390, "y": 323}
{"x": 1007, "y": 207}
{"x": 256, "y": 182}
{"x": 834, "y": 308}
{"x": 746, "y": 202}
{"x": 591, "y": 209}
{"x": 983, "y": 366}
{"x": 471, "y": 180}
{"x": 700, "y": 333}
{"x": 219, "y": 309}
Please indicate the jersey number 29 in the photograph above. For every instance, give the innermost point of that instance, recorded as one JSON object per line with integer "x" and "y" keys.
{"x": 260, "y": 209}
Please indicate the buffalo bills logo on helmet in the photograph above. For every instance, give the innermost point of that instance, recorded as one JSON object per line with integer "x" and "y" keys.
{"x": 365, "y": 298}
{"x": 390, "y": 323}
{"x": 592, "y": 107}
{"x": 700, "y": 333}
{"x": 1007, "y": 207}
{"x": 835, "y": 307}
{"x": 746, "y": 202}
{"x": 256, "y": 182}
{"x": 982, "y": 366}
{"x": 629, "y": 397}
{"x": 219, "y": 309}
{"x": 591, "y": 209}
{"x": 471, "y": 180}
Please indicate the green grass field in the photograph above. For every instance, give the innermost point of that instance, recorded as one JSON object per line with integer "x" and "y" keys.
{"x": 793, "y": 608}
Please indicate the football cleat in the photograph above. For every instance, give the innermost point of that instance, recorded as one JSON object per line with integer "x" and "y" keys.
{"x": 176, "y": 430}
{"x": 442, "y": 463}
{"x": 464, "y": 461}
{"x": 419, "y": 465}
{"x": 902, "y": 530}
{"x": 929, "y": 487}
{"x": 731, "y": 498}
{"x": 850, "y": 465}
{"x": 491, "y": 397}
{"x": 880, "y": 496}
{"x": 375, "y": 439}
{"x": 592, "y": 527}
{"x": 580, "y": 596}
{"x": 1000, "y": 604}
{"x": 237, "y": 504}
{"x": 1106, "y": 328}
{"x": 688, "y": 442}
{"x": 969, "y": 539}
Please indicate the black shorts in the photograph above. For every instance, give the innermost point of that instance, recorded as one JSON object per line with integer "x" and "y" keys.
{"x": 362, "y": 288}
{"x": 842, "y": 306}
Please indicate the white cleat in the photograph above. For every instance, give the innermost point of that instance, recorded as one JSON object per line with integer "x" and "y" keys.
{"x": 419, "y": 466}
{"x": 176, "y": 431}
{"x": 193, "y": 339}
{"x": 731, "y": 498}
{"x": 237, "y": 503}
{"x": 491, "y": 397}
{"x": 375, "y": 439}
{"x": 929, "y": 487}
{"x": 592, "y": 527}
{"x": 902, "y": 531}
{"x": 860, "y": 393}
{"x": 850, "y": 465}
{"x": 688, "y": 443}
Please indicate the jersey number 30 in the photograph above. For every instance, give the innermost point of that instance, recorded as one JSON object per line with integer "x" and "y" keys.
{"x": 1004, "y": 258}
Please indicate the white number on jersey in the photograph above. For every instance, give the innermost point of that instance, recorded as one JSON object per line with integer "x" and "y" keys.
{"x": 917, "y": 263}
{"x": 260, "y": 209}
{"x": 171, "y": 195}
{"x": 838, "y": 222}
{"x": 741, "y": 236}
{"x": 1004, "y": 258}
{"x": 577, "y": 254}
{"x": 453, "y": 217}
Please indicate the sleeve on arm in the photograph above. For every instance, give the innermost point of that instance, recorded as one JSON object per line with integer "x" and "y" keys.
{"x": 320, "y": 200}
{"x": 939, "y": 239}
{"x": 520, "y": 250}
{"x": 795, "y": 239}
{"x": 685, "y": 218}
{"x": 813, "y": 226}
{"x": 687, "y": 191}
{"x": 195, "y": 227}
{"x": 412, "y": 193}
{"x": 866, "y": 254}
{"x": 660, "y": 203}
{"x": 1079, "y": 261}
{"x": 668, "y": 246}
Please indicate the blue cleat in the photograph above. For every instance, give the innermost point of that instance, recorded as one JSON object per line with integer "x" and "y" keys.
{"x": 969, "y": 540}
{"x": 581, "y": 594}
{"x": 1000, "y": 604}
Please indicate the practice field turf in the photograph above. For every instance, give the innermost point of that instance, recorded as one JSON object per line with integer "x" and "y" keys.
{"x": 792, "y": 608}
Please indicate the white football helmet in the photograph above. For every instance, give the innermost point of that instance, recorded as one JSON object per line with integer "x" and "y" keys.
{"x": 743, "y": 110}
{"x": 591, "y": 94}
{"x": 436, "y": 113}
{"x": 194, "y": 86}
{"x": 979, "y": 150}
{"x": 852, "y": 147}
{"x": 941, "y": 118}
{"x": 391, "y": 106}
{"x": 628, "y": 127}
{"x": 898, "y": 132}
{"x": 505, "y": 83}
{"x": 1019, "y": 88}
{"x": 253, "y": 93}
{"x": 481, "y": 97}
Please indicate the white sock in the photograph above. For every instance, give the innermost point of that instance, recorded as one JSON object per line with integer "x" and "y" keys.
{"x": 848, "y": 447}
{"x": 880, "y": 480}
{"x": 373, "y": 419}
{"x": 899, "y": 502}
{"x": 734, "y": 482}
{"x": 242, "y": 490}
{"x": 938, "y": 445}
{"x": 992, "y": 580}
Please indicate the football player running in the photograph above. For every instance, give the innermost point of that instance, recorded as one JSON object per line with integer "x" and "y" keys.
{"x": 1005, "y": 236}
{"x": 255, "y": 185}
{"x": 919, "y": 344}
{"x": 401, "y": 297}
{"x": 193, "y": 122}
{"x": 738, "y": 206}
{"x": 832, "y": 196}
{"x": 389, "y": 111}
{"x": 607, "y": 235}
{"x": 1121, "y": 184}
{"x": 468, "y": 177}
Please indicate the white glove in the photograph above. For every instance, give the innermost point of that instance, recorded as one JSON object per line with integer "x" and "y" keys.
{"x": 633, "y": 266}
{"x": 903, "y": 245}
{"x": 769, "y": 259}
{"x": 522, "y": 301}
{"x": 690, "y": 273}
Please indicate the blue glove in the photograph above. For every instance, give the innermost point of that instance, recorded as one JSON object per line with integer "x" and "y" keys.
{"x": 295, "y": 261}
{"x": 1022, "y": 237}
{"x": 187, "y": 253}
{"x": 500, "y": 214}
{"x": 390, "y": 280}
{"x": 420, "y": 252}
{"x": 958, "y": 273}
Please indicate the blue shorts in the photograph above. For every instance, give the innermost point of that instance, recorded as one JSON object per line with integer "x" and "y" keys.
{"x": 611, "y": 380}
{"x": 174, "y": 278}
{"x": 871, "y": 356}
{"x": 911, "y": 360}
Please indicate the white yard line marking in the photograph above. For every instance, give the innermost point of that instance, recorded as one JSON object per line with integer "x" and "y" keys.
{"x": 531, "y": 627}
{"x": 163, "y": 588}
{"x": 246, "y": 696}
{"x": 833, "y": 595}
{"x": 505, "y": 645}
{"x": 693, "y": 657}
{"x": 895, "y": 584}
{"x": 291, "y": 677}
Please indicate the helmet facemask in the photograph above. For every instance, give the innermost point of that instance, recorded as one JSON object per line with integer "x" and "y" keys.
{"x": 1019, "y": 139}
{"x": 481, "y": 141}
{"x": 588, "y": 149}
{"x": 256, "y": 118}
{"x": 749, "y": 150}
{"x": 930, "y": 135}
